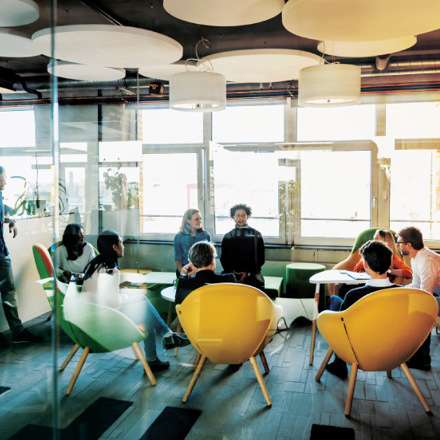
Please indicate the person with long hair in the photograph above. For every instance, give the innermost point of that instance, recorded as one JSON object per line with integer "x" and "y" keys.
{"x": 398, "y": 268}
{"x": 243, "y": 249}
{"x": 74, "y": 253}
{"x": 191, "y": 231}
{"x": 101, "y": 286}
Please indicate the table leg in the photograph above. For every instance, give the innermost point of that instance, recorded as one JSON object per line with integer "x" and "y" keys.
{"x": 315, "y": 317}
{"x": 170, "y": 313}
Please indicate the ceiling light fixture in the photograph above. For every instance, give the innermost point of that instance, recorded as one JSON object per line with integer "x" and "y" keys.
{"x": 199, "y": 91}
{"x": 223, "y": 12}
{"x": 329, "y": 85}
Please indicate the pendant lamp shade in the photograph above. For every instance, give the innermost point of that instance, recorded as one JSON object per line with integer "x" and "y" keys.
{"x": 329, "y": 85}
{"x": 198, "y": 91}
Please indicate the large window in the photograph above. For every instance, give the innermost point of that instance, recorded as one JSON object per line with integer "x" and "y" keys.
{"x": 170, "y": 187}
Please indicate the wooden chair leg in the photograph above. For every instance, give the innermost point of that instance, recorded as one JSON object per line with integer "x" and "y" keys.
{"x": 327, "y": 357}
{"x": 264, "y": 362}
{"x": 138, "y": 352}
{"x": 389, "y": 374}
{"x": 351, "y": 387}
{"x": 315, "y": 317}
{"x": 196, "y": 360}
{"x": 194, "y": 379}
{"x": 78, "y": 369}
{"x": 69, "y": 357}
{"x": 260, "y": 380}
{"x": 178, "y": 330}
{"x": 135, "y": 353}
{"x": 416, "y": 388}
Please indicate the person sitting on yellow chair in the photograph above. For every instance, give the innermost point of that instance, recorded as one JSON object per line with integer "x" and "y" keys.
{"x": 202, "y": 256}
{"x": 377, "y": 259}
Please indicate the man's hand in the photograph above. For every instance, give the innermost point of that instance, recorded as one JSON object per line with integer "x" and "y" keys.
{"x": 13, "y": 228}
{"x": 189, "y": 269}
{"x": 240, "y": 276}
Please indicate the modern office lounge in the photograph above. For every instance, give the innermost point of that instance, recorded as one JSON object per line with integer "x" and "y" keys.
{"x": 313, "y": 152}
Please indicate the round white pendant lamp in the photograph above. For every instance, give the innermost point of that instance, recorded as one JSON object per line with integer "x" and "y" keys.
{"x": 18, "y": 12}
{"x": 223, "y": 12}
{"x": 109, "y": 46}
{"x": 360, "y": 20}
{"x": 165, "y": 71}
{"x": 261, "y": 65}
{"x": 198, "y": 91}
{"x": 366, "y": 48}
{"x": 14, "y": 44}
{"x": 84, "y": 72}
{"x": 329, "y": 85}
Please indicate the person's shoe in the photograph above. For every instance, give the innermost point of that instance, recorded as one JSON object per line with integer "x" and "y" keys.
{"x": 175, "y": 341}
{"x": 425, "y": 366}
{"x": 3, "y": 341}
{"x": 158, "y": 365}
{"x": 338, "y": 367}
{"x": 26, "y": 336}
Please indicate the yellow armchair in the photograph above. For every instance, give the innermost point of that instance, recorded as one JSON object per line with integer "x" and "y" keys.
{"x": 379, "y": 333}
{"x": 229, "y": 324}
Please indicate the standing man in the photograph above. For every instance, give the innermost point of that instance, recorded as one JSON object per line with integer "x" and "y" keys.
{"x": 7, "y": 286}
{"x": 425, "y": 264}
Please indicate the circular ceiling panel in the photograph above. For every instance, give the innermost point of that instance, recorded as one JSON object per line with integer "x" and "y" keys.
{"x": 83, "y": 72}
{"x": 165, "y": 72}
{"x": 224, "y": 12}
{"x": 14, "y": 44}
{"x": 360, "y": 20}
{"x": 109, "y": 46}
{"x": 366, "y": 48}
{"x": 261, "y": 65}
{"x": 18, "y": 12}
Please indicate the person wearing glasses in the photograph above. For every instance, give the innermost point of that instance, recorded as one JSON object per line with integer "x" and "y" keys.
{"x": 243, "y": 249}
{"x": 425, "y": 264}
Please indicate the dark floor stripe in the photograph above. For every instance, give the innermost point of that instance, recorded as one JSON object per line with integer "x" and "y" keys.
{"x": 3, "y": 389}
{"x": 90, "y": 425}
{"x": 324, "y": 432}
{"x": 172, "y": 424}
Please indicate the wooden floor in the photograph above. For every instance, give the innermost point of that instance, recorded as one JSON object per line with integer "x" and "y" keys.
{"x": 232, "y": 404}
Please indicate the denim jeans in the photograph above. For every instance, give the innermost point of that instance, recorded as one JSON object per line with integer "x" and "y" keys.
{"x": 140, "y": 310}
{"x": 9, "y": 297}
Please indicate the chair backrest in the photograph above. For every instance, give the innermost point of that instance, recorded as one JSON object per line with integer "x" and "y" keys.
{"x": 382, "y": 330}
{"x": 226, "y": 322}
{"x": 100, "y": 328}
{"x": 43, "y": 261}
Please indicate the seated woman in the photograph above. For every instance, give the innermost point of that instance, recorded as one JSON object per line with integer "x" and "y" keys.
{"x": 191, "y": 231}
{"x": 398, "y": 268}
{"x": 74, "y": 253}
{"x": 243, "y": 249}
{"x": 202, "y": 256}
{"x": 101, "y": 286}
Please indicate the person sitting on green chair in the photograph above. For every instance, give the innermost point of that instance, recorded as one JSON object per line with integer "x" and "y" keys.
{"x": 74, "y": 253}
{"x": 101, "y": 286}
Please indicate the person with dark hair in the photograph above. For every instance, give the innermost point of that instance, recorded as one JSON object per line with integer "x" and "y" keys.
{"x": 74, "y": 253}
{"x": 101, "y": 286}
{"x": 202, "y": 256}
{"x": 243, "y": 249}
{"x": 191, "y": 231}
{"x": 425, "y": 264}
{"x": 377, "y": 258}
{"x": 7, "y": 285}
